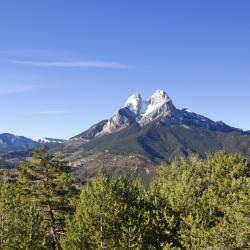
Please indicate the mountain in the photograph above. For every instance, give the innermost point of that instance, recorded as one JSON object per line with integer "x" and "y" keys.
{"x": 10, "y": 142}
{"x": 135, "y": 140}
{"x": 138, "y": 112}
{"x": 14, "y": 149}
{"x": 146, "y": 132}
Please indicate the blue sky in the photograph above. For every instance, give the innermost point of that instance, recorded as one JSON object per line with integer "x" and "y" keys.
{"x": 66, "y": 64}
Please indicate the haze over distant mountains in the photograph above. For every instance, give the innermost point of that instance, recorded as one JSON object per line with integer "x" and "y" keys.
{"x": 15, "y": 148}
{"x": 140, "y": 135}
{"x": 10, "y": 142}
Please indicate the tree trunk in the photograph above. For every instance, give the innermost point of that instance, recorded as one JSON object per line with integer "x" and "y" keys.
{"x": 53, "y": 235}
{"x": 52, "y": 240}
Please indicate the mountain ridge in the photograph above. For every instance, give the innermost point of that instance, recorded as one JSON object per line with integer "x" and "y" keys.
{"x": 144, "y": 133}
{"x": 138, "y": 137}
{"x": 158, "y": 106}
{"x": 14, "y": 148}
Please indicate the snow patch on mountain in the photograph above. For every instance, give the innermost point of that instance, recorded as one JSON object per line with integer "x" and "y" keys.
{"x": 159, "y": 107}
{"x": 156, "y": 101}
{"x": 188, "y": 110}
{"x": 47, "y": 140}
{"x": 133, "y": 103}
{"x": 136, "y": 104}
{"x": 185, "y": 126}
{"x": 142, "y": 108}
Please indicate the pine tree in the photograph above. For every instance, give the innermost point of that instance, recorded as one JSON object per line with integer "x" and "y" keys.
{"x": 21, "y": 226}
{"x": 108, "y": 216}
{"x": 46, "y": 181}
{"x": 160, "y": 221}
{"x": 211, "y": 200}
{"x": 130, "y": 236}
{"x": 192, "y": 204}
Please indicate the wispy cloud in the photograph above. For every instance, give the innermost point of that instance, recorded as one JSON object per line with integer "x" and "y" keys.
{"x": 6, "y": 89}
{"x": 49, "y": 112}
{"x": 75, "y": 64}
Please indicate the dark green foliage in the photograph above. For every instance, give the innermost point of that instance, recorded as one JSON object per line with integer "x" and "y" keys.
{"x": 192, "y": 203}
{"x": 21, "y": 226}
{"x": 211, "y": 198}
{"x": 116, "y": 214}
{"x": 46, "y": 182}
{"x": 106, "y": 216}
{"x": 119, "y": 214}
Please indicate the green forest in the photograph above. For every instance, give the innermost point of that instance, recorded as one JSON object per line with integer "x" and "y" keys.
{"x": 191, "y": 203}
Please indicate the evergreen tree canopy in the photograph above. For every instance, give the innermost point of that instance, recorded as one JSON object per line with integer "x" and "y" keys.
{"x": 46, "y": 181}
{"x": 211, "y": 198}
{"x": 21, "y": 225}
{"x": 192, "y": 203}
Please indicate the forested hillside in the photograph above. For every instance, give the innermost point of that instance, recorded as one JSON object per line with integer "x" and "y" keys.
{"x": 191, "y": 204}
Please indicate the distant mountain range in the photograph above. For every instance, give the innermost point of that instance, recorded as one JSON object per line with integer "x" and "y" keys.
{"x": 14, "y": 148}
{"x": 146, "y": 132}
{"x": 138, "y": 137}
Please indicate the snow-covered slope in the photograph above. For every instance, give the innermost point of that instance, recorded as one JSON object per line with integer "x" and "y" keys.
{"x": 136, "y": 104}
{"x": 144, "y": 108}
{"x": 47, "y": 140}
{"x": 10, "y": 142}
{"x": 159, "y": 105}
{"x": 156, "y": 101}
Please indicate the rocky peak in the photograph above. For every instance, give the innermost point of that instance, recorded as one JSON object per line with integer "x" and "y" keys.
{"x": 133, "y": 103}
{"x": 122, "y": 119}
{"x": 136, "y": 104}
{"x": 159, "y": 97}
{"x": 159, "y": 105}
{"x": 157, "y": 100}
{"x": 142, "y": 108}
